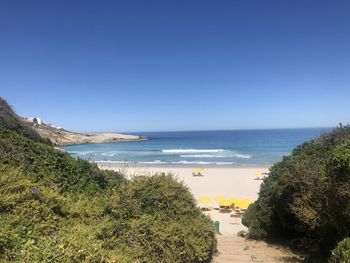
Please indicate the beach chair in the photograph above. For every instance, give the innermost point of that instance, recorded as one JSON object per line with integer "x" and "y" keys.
{"x": 197, "y": 172}
{"x": 235, "y": 216}
{"x": 205, "y": 201}
{"x": 225, "y": 206}
{"x": 225, "y": 209}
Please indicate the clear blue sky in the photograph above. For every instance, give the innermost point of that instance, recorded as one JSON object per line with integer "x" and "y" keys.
{"x": 177, "y": 65}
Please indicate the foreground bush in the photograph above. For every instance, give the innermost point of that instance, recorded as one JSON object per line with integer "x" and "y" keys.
{"x": 42, "y": 163}
{"x": 164, "y": 222}
{"x": 306, "y": 198}
{"x": 342, "y": 252}
{"x": 54, "y": 208}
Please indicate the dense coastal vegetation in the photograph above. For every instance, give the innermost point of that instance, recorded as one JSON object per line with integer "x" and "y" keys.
{"x": 56, "y": 208}
{"x": 305, "y": 200}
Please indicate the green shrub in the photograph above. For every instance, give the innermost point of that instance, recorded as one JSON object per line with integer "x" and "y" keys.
{"x": 160, "y": 193}
{"x": 306, "y": 198}
{"x": 42, "y": 163}
{"x": 341, "y": 254}
{"x": 54, "y": 208}
{"x": 29, "y": 214}
{"x": 157, "y": 218}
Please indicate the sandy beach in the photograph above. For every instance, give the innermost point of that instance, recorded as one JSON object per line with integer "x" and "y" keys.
{"x": 227, "y": 182}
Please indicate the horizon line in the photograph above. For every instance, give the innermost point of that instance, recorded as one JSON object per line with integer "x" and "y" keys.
{"x": 237, "y": 129}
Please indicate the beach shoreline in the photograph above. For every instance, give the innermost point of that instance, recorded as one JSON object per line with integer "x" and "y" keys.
{"x": 121, "y": 165}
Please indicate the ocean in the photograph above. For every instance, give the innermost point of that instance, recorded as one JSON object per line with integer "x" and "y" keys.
{"x": 200, "y": 148}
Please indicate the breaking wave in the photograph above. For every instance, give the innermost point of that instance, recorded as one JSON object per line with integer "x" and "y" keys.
{"x": 81, "y": 152}
{"x": 193, "y": 151}
{"x": 112, "y": 153}
{"x": 203, "y": 163}
{"x": 154, "y": 162}
{"x": 237, "y": 155}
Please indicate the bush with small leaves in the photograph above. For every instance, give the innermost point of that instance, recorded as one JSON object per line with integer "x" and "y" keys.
{"x": 305, "y": 200}
{"x": 341, "y": 253}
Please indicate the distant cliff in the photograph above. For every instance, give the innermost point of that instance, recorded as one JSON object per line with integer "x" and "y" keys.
{"x": 38, "y": 130}
{"x": 9, "y": 120}
{"x": 60, "y": 136}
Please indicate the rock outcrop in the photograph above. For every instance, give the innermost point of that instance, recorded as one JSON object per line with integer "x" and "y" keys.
{"x": 59, "y": 136}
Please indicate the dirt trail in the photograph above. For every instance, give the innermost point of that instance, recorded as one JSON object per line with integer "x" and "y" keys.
{"x": 233, "y": 249}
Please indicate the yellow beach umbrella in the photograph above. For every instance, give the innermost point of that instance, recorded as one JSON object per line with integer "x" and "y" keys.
{"x": 258, "y": 174}
{"x": 245, "y": 203}
{"x": 219, "y": 198}
{"x": 225, "y": 203}
{"x": 205, "y": 200}
{"x": 234, "y": 200}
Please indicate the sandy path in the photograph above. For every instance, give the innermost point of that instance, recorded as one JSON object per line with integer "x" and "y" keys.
{"x": 238, "y": 250}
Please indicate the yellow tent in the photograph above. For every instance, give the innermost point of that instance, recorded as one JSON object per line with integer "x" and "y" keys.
{"x": 205, "y": 200}
{"x": 197, "y": 170}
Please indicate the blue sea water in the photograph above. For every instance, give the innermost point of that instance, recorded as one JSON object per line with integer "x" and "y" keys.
{"x": 205, "y": 148}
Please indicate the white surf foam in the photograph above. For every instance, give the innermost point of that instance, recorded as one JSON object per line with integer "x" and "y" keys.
{"x": 162, "y": 162}
{"x": 81, "y": 152}
{"x": 153, "y": 162}
{"x": 245, "y": 156}
{"x": 202, "y": 162}
{"x": 112, "y": 153}
{"x": 193, "y": 150}
{"x": 189, "y": 162}
{"x": 118, "y": 162}
{"x": 201, "y": 156}
{"x": 237, "y": 155}
{"x": 225, "y": 163}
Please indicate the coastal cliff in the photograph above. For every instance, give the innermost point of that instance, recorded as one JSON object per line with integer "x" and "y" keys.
{"x": 59, "y": 136}
{"x": 38, "y": 130}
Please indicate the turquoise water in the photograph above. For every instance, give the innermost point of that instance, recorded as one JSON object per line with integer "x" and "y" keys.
{"x": 211, "y": 148}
